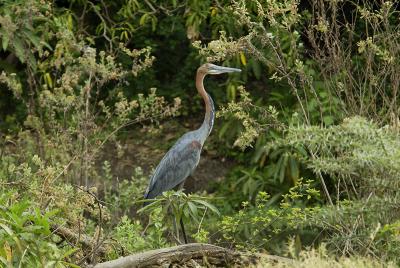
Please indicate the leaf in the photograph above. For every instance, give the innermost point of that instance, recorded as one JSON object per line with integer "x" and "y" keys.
{"x": 4, "y": 261}
{"x": 5, "y": 41}
{"x": 22, "y": 257}
{"x": 214, "y": 11}
{"x": 155, "y": 203}
{"x": 302, "y": 151}
{"x": 193, "y": 209}
{"x": 135, "y": 5}
{"x": 224, "y": 129}
{"x": 283, "y": 168}
{"x": 276, "y": 153}
{"x": 48, "y": 79}
{"x": 328, "y": 120}
{"x": 256, "y": 69}
{"x": 35, "y": 40}
{"x": 208, "y": 205}
{"x": 124, "y": 36}
{"x": 243, "y": 58}
{"x": 8, "y": 251}
{"x": 294, "y": 169}
{"x": 32, "y": 61}
{"x": 11, "y": 234}
{"x": 70, "y": 22}
{"x": 100, "y": 28}
{"x": 190, "y": 19}
{"x": 143, "y": 19}
{"x": 186, "y": 213}
{"x": 278, "y": 167}
{"x": 231, "y": 92}
{"x": 153, "y": 23}
{"x": 19, "y": 49}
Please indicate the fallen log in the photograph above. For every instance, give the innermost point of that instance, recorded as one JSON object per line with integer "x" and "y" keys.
{"x": 188, "y": 255}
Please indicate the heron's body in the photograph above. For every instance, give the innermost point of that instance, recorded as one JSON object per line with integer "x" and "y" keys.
{"x": 181, "y": 160}
{"x": 183, "y": 157}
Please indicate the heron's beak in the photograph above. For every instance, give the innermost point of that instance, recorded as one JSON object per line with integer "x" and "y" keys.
{"x": 215, "y": 69}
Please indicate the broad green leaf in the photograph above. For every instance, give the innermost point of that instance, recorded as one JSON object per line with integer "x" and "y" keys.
{"x": 22, "y": 257}
{"x": 193, "y": 208}
{"x": 153, "y": 23}
{"x": 208, "y": 205}
{"x": 243, "y": 58}
{"x": 283, "y": 168}
{"x": 276, "y": 152}
{"x": 5, "y": 262}
{"x": 70, "y": 22}
{"x": 186, "y": 213}
{"x": 224, "y": 129}
{"x": 19, "y": 49}
{"x": 294, "y": 169}
{"x": 48, "y": 80}
{"x": 35, "y": 40}
{"x": 155, "y": 203}
{"x": 32, "y": 61}
{"x": 11, "y": 234}
{"x": 5, "y": 39}
{"x": 256, "y": 69}
{"x": 143, "y": 19}
{"x": 278, "y": 167}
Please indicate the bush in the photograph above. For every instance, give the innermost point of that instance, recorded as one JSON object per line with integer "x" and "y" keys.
{"x": 26, "y": 237}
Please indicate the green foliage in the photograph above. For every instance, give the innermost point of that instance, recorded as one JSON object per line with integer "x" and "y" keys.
{"x": 21, "y": 36}
{"x": 177, "y": 206}
{"x": 357, "y": 160}
{"x": 263, "y": 225}
{"x": 253, "y": 119}
{"x": 355, "y": 152}
{"x": 131, "y": 237}
{"x": 360, "y": 161}
{"x": 320, "y": 257}
{"x": 123, "y": 195}
{"x": 25, "y": 235}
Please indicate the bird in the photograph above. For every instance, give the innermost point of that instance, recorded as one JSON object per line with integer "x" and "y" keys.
{"x": 183, "y": 157}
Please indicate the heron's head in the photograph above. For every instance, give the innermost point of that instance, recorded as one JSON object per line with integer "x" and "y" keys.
{"x": 210, "y": 68}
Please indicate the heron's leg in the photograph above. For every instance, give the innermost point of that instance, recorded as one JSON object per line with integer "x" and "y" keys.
{"x": 183, "y": 232}
{"x": 177, "y": 188}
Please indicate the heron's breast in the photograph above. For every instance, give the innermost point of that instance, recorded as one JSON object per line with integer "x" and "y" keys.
{"x": 195, "y": 144}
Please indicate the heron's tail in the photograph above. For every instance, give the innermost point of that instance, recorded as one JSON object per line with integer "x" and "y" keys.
{"x": 147, "y": 195}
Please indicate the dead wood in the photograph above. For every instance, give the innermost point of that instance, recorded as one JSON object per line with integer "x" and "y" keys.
{"x": 188, "y": 255}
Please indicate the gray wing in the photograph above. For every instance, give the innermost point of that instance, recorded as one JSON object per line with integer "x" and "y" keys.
{"x": 174, "y": 168}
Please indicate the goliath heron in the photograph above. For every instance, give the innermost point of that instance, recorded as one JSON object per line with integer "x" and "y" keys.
{"x": 181, "y": 160}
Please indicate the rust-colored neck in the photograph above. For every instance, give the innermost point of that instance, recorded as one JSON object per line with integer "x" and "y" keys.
{"x": 200, "y": 88}
{"x": 208, "y": 122}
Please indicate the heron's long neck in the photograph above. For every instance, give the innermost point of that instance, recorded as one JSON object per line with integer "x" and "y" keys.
{"x": 208, "y": 122}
